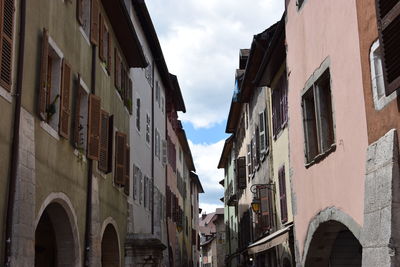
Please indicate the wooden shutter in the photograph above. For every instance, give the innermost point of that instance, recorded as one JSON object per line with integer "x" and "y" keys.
{"x": 265, "y": 209}
{"x": 42, "y": 100}
{"x": 104, "y": 142}
{"x": 257, "y": 145}
{"x": 109, "y": 53}
{"x": 282, "y": 194}
{"x": 249, "y": 168}
{"x": 110, "y": 143}
{"x": 263, "y": 132}
{"x": 65, "y": 100}
{"x": 101, "y": 38}
{"x": 7, "y": 30}
{"x": 120, "y": 154}
{"x": 127, "y": 170}
{"x": 94, "y": 22}
{"x": 93, "y": 151}
{"x": 241, "y": 172}
{"x": 117, "y": 68}
{"x": 389, "y": 35}
{"x": 79, "y": 11}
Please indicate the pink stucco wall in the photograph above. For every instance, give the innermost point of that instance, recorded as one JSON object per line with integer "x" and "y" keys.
{"x": 319, "y": 30}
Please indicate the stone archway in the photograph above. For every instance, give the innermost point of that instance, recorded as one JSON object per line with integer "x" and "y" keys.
{"x": 110, "y": 256}
{"x": 55, "y": 243}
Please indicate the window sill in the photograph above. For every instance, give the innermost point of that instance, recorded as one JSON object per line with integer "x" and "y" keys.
{"x": 47, "y": 128}
{"x": 5, "y": 94}
{"x": 84, "y": 35}
{"x": 321, "y": 156}
{"x": 279, "y": 133}
{"x": 102, "y": 63}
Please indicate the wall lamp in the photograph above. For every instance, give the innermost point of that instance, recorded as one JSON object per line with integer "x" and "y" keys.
{"x": 256, "y": 202}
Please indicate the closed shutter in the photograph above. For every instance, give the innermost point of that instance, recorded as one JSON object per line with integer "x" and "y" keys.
{"x": 282, "y": 194}
{"x": 110, "y": 143}
{"x": 102, "y": 36}
{"x": 117, "y": 69}
{"x": 94, "y": 22}
{"x": 79, "y": 11}
{"x": 241, "y": 172}
{"x": 65, "y": 100}
{"x": 265, "y": 209}
{"x": 94, "y": 127}
{"x": 104, "y": 134}
{"x": 42, "y": 103}
{"x": 389, "y": 35}
{"x": 7, "y": 29}
{"x": 127, "y": 170}
{"x": 120, "y": 153}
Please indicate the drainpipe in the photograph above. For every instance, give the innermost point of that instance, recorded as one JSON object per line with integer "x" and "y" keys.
{"x": 152, "y": 148}
{"x": 88, "y": 225}
{"x": 15, "y": 137}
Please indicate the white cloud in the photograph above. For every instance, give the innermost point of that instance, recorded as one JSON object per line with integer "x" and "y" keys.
{"x": 201, "y": 42}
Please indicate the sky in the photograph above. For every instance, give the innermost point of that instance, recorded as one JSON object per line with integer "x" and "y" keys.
{"x": 201, "y": 41}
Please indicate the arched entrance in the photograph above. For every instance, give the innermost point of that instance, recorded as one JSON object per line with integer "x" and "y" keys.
{"x": 54, "y": 240}
{"x": 110, "y": 247}
{"x": 333, "y": 245}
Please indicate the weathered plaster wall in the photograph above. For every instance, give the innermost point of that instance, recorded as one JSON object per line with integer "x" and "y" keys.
{"x": 319, "y": 30}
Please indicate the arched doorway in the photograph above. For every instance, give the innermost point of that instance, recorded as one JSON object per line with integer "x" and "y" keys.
{"x": 54, "y": 240}
{"x": 333, "y": 245}
{"x": 110, "y": 247}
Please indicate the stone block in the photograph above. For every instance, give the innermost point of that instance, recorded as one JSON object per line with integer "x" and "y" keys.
{"x": 377, "y": 256}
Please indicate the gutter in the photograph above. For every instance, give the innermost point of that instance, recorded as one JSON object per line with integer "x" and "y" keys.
{"x": 88, "y": 223}
{"x": 15, "y": 137}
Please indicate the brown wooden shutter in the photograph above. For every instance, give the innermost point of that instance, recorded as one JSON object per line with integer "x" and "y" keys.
{"x": 120, "y": 153}
{"x": 265, "y": 209}
{"x": 110, "y": 143}
{"x": 42, "y": 100}
{"x": 93, "y": 151}
{"x": 241, "y": 172}
{"x": 282, "y": 194}
{"x": 65, "y": 100}
{"x": 130, "y": 96}
{"x": 7, "y": 30}
{"x": 389, "y": 36}
{"x": 127, "y": 170}
{"x": 94, "y": 23}
{"x": 79, "y": 11}
{"x": 101, "y": 38}
{"x": 104, "y": 142}
{"x": 117, "y": 68}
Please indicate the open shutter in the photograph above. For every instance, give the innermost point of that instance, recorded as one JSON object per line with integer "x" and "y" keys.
{"x": 42, "y": 100}
{"x": 101, "y": 39}
{"x": 127, "y": 170}
{"x": 110, "y": 143}
{"x": 249, "y": 168}
{"x": 94, "y": 22}
{"x": 7, "y": 30}
{"x": 253, "y": 154}
{"x": 265, "y": 209}
{"x": 282, "y": 194}
{"x": 120, "y": 153}
{"x": 93, "y": 151}
{"x": 262, "y": 129}
{"x": 79, "y": 11}
{"x": 241, "y": 172}
{"x": 65, "y": 100}
{"x": 104, "y": 134}
{"x": 389, "y": 35}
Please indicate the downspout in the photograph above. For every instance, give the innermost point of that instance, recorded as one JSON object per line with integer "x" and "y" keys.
{"x": 88, "y": 225}
{"x": 152, "y": 147}
{"x": 15, "y": 137}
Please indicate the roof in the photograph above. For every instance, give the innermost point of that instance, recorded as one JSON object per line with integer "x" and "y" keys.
{"x": 186, "y": 149}
{"x": 274, "y": 56}
{"x": 125, "y": 32}
{"x": 236, "y": 106}
{"x": 177, "y": 94}
{"x": 196, "y": 179}
{"x": 152, "y": 39}
{"x": 225, "y": 152}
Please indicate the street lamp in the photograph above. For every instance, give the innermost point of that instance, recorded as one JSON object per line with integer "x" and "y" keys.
{"x": 256, "y": 203}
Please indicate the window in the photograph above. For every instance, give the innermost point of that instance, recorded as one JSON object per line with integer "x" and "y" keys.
{"x": 377, "y": 78}
{"x": 279, "y": 105}
{"x": 263, "y": 133}
{"x": 83, "y": 15}
{"x": 138, "y": 114}
{"x": 171, "y": 154}
{"x": 158, "y": 96}
{"x": 145, "y": 193}
{"x": 148, "y": 128}
{"x": 318, "y": 118}
{"x": 105, "y": 45}
{"x": 6, "y": 41}
{"x": 88, "y": 15}
{"x": 164, "y": 152}
{"x": 140, "y": 186}
{"x": 55, "y": 87}
{"x": 266, "y": 218}
{"x": 162, "y": 105}
{"x": 282, "y": 194}
{"x": 106, "y": 139}
{"x": 157, "y": 144}
{"x": 249, "y": 161}
{"x": 241, "y": 172}
{"x": 120, "y": 159}
{"x": 81, "y": 116}
{"x": 388, "y": 16}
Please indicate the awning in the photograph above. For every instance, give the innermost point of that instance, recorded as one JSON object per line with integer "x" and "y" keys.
{"x": 269, "y": 241}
